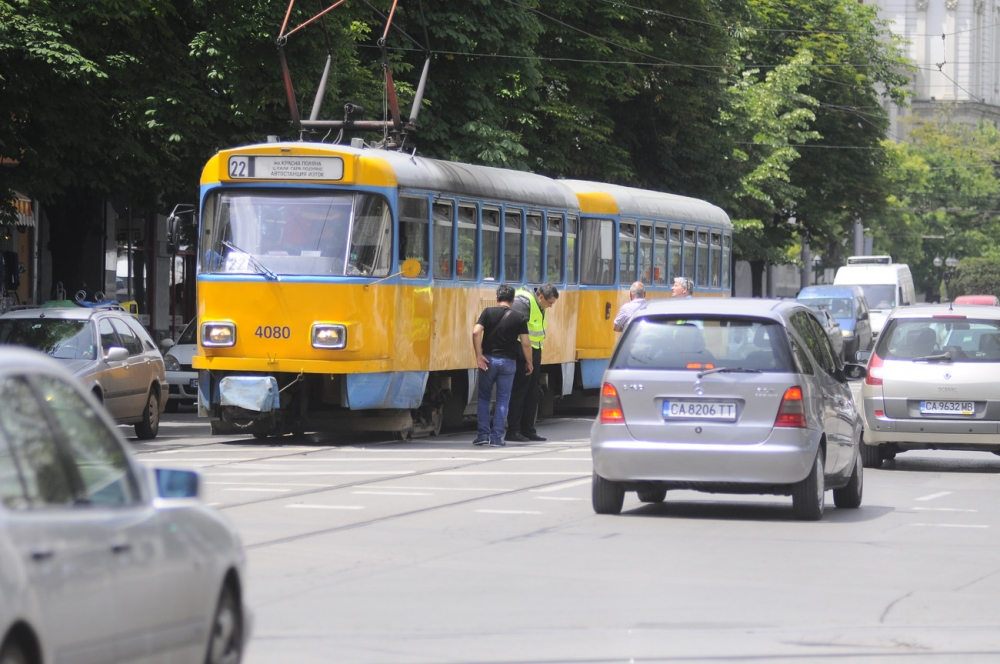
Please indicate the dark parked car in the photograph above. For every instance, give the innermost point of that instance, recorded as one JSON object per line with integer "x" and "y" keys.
{"x": 727, "y": 396}
{"x": 104, "y": 347}
{"x": 847, "y": 304}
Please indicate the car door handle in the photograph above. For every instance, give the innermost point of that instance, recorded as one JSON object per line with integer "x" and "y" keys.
{"x": 121, "y": 547}
{"x": 40, "y": 555}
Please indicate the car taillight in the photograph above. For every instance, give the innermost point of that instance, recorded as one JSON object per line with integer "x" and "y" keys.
{"x": 611, "y": 406}
{"x": 792, "y": 412}
{"x": 874, "y": 376}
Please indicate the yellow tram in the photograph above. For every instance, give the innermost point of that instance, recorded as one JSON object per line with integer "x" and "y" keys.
{"x": 338, "y": 285}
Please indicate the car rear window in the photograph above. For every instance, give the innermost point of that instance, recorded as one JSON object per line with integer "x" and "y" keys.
{"x": 839, "y": 307}
{"x": 963, "y": 340}
{"x": 703, "y": 343}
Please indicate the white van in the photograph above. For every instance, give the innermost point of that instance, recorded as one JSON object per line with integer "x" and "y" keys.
{"x": 887, "y": 285}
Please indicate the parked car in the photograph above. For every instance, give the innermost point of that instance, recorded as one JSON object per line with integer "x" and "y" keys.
{"x": 728, "y": 396}
{"x": 833, "y": 331}
{"x": 183, "y": 380}
{"x": 106, "y": 349}
{"x": 932, "y": 383}
{"x": 887, "y": 285}
{"x": 104, "y": 559}
{"x": 848, "y": 305}
{"x": 988, "y": 300}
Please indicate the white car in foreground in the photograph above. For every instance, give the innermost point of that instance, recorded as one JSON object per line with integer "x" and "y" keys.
{"x": 101, "y": 558}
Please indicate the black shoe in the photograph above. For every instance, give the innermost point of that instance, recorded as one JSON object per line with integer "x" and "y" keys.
{"x": 534, "y": 437}
{"x": 481, "y": 441}
{"x": 516, "y": 438}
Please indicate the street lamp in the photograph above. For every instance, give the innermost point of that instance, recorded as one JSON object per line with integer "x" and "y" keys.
{"x": 950, "y": 263}
{"x": 816, "y": 260}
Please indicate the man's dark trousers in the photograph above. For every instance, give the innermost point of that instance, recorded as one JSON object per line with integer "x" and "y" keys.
{"x": 525, "y": 396}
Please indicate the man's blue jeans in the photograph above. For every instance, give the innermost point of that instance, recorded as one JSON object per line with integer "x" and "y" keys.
{"x": 500, "y": 373}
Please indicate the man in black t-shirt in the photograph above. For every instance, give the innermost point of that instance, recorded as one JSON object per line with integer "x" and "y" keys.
{"x": 498, "y": 337}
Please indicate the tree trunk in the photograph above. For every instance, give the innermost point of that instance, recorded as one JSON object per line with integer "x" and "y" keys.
{"x": 757, "y": 277}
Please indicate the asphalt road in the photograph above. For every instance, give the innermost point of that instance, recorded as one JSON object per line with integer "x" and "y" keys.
{"x": 367, "y": 550}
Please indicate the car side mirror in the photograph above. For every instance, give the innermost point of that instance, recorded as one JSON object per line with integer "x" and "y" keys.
{"x": 854, "y": 371}
{"x": 172, "y": 483}
{"x": 863, "y": 355}
{"x": 116, "y": 354}
{"x": 166, "y": 345}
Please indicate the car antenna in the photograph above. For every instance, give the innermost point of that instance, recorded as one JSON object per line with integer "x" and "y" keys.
{"x": 396, "y": 133}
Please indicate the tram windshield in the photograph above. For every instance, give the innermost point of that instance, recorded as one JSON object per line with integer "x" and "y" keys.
{"x": 297, "y": 233}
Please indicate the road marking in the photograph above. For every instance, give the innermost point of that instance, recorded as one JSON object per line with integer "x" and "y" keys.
{"x": 390, "y": 493}
{"x": 313, "y": 506}
{"x": 208, "y": 483}
{"x": 261, "y": 489}
{"x": 508, "y": 512}
{"x": 307, "y": 473}
{"x": 564, "y": 485}
{"x": 935, "y": 495}
{"x": 556, "y": 498}
{"x": 948, "y": 525}
{"x": 442, "y": 488}
{"x": 941, "y": 509}
{"x": 510, "y": 473}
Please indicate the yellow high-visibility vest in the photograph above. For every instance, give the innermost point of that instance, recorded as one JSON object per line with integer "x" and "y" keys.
{"x": 536, "y": 319}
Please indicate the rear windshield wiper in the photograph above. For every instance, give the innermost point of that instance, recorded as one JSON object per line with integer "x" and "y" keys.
{"x": 727, "y": 370}
{"x": 941, "y": 357}
{"x": 253, "y": 261}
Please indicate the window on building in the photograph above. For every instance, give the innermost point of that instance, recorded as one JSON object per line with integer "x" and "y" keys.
{"x": 413, "y": 229}
{"x": 443, "y": 228}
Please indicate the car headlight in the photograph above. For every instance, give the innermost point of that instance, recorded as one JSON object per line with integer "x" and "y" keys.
{"x": 329, "y": 336}
{"x": 218, "y": 335}
{"x": 170, "y": 363}
{"x": 847, "y": 333}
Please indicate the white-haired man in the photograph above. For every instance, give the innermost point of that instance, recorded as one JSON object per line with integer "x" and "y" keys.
{"x": 637, "y": 298}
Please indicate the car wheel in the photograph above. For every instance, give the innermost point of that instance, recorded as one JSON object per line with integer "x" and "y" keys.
{"x": 11, "y": 653}
{"x": 150, "y": 424}
{"x": 871, "y": 455}
{"x": 225, "y": 643}
{"x": 850, "y": 495}
{"x": 809, "y": 494}
{"x": 172, "y": 405}
{"x": 607, "y": 497}
{"x": 652, "y": 495}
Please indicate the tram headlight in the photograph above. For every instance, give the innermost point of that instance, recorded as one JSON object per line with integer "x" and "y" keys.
{"x": 329, "y": 336}
{"x": 218, "y": 335}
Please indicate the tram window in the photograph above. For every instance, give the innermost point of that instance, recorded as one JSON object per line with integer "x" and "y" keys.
{"x": 597, "y": 251}
{"x": 726, "y": 242}
{"x": 646, "y": 253}
{"x": 371, "y": 239}
{"x": 512, "y": 245}
{"x": 675, "y": 255}
{"x": 553, "y": 248}
{"x": 660, "y": 256}
{"x": 626, "y": 254}
{"x": 465, "y": 266}
{"x": 443, "y": 223}
{"x": 572, "y": 225}
{"x": 716, "y": 260}
{"x": 413, "y": 224}
{"x": 702, "y": 258}
{"x": 534, "y": 258}
{"x": 689, "y": 249}
{"x": 491, "y": 244}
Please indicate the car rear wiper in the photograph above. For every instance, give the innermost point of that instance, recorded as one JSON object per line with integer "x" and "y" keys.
{"x": 941, "y": 357}
{"x": 727, "y": 370}
{"x": 253, "y": 261}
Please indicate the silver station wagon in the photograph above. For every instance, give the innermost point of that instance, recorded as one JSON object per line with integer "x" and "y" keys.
{"x": 932, "y": 382}
{"x": 727, "y": 396}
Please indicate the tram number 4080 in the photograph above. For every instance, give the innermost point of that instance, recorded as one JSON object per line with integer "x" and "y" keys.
{"x": 273, "y": 332}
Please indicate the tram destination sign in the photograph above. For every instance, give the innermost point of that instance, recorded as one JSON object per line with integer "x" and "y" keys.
{"x": 251, "y": 167}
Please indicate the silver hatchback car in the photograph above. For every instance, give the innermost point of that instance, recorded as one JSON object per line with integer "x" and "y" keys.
{"x": 102, "y": 559}
{"x": 932, "y": 382}
{"x": 727, "y": 396}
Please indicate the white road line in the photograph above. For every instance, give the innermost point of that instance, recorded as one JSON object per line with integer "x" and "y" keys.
{"x": 258, "y": 489}
{"x": 312, "y": 506}
{"x": 564, "y": 485}
{"x": 941, "y": 509}
{"x": 390, "y": 493}
{"x": 445, "y": 488}
{"x": 308, "y": 473}
{"x": 212, "y": 460}
{"x": 546, "y": 459}
{"x": 209, "y": 483}
{"x": 513, "y": 473}
{"x": 948, "y": 525}
{"x": 508, "y": 512}
{"x": 556, "y": 498}
{"x": 935, "y": 495}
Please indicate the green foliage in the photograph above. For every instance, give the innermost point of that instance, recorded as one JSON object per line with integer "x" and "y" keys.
{"x": 976, "y": 276}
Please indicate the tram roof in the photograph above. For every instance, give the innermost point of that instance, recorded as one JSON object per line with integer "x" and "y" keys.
{"x": 648, "y": 204}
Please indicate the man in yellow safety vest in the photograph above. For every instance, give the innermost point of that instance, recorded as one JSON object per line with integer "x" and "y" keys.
{"x": 526, "y": 394}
